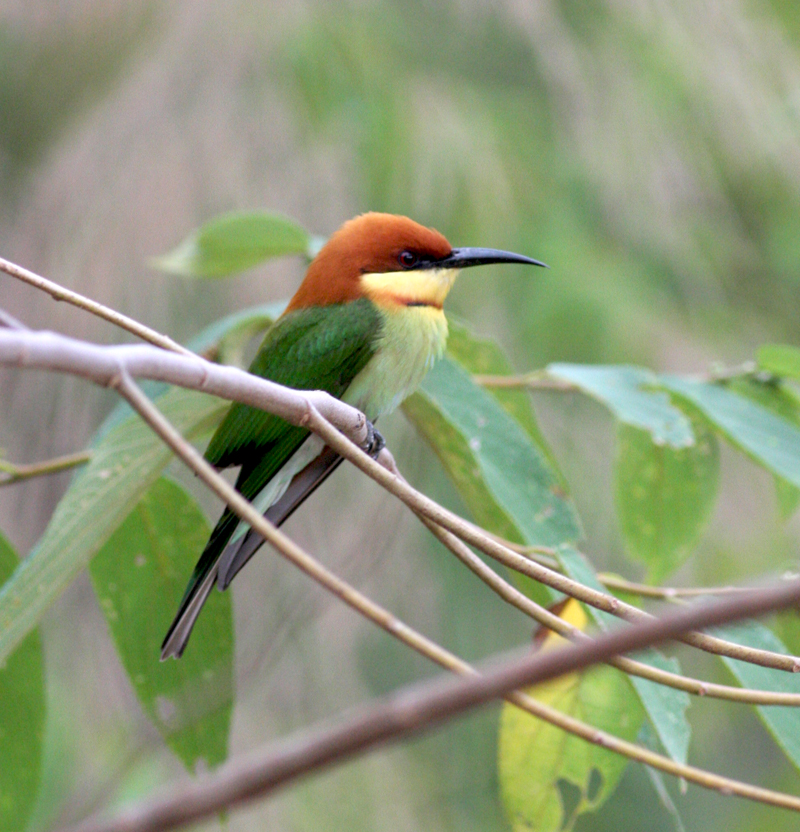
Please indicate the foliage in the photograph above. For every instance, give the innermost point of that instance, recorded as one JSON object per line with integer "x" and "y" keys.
{"x": 141, "y": 535}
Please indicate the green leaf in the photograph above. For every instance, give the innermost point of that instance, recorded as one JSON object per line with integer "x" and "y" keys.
{"x": 235, "y": 242}
{"x": 780, "y": 360}
{"x": 664, "y": 495}
{"x": 502, "y": 477}
{"x": 139, "y": 577}
{"x": 125, "y": 462}
{"x": 22, "y": 719}
{"x": 480, "y": 356}
{"x": 619, "y": 388}
{"x": 536, "y": 759}
{"x": 766, "y": 438}
{"x": 782, "y": 722}
{"x": 229, "y": 334}
{"x": 665, "y": 707}
{"x": 780, "y": 400}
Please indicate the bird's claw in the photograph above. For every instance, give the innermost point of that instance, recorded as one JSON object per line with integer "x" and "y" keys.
{"x": 374, "y": 443}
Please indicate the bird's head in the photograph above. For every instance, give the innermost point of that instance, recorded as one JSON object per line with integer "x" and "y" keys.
{"x": 392, "y": 260}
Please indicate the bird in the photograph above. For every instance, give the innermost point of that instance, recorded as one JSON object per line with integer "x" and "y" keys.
{"x": 365, "y": 325}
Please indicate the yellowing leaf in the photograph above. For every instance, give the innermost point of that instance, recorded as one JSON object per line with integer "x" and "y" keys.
{"x": 548, "y": 777}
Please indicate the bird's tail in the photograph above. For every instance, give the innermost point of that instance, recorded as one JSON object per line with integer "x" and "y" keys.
{"x": 200, "y": 585}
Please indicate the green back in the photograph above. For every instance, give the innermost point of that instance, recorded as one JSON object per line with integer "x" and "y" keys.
{"x": 319, "y": 348}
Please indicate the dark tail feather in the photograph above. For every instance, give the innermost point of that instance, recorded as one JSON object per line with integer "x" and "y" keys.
{"x": 303, "y": 485}
{"x": 200, "y": 584}
{"x": 221, "y": 561}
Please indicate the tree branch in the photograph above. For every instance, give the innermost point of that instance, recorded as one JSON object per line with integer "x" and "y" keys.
{"x": 477, "y": 537}
{"x": 58, "y": 292}
{"x": 50, "y": 351}
{"x": 423, "y": 706}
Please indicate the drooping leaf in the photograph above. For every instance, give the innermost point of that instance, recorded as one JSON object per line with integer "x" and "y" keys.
{"x": 766, "y": 438}
{"x": 536, "y": 759}
{"x": 125, "y": 462}
{"x": 664, "y": 495}
{"x": 234, "y": 242}
{"x": 139, "y": 576}
{"x": 497, "y": 470}
{"x": 227, "y": 337}
{"x": 780, "y": 360}
{"x": 480, "y": 356}
{"x": 776, "y": 397}
{"x": 22, "y": 719}
{"x": 622, "y": 390}
{"x": 665, "y": 707}
{"x": 782, "y": 722}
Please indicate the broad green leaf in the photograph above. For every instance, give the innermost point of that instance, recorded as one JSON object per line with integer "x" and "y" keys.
{"x": 22, "y": 719}
{"x": 780, "y": 360}
{"x": 782, "y": 722}
{"x": 622, "y": 390}
{"x": 125, "y": 462}
{"x": 502, "y": 477}
{"x": 776, "y": 397}
{"x": 664, "y": 495}
{"x": 139, "y": 577}
{"x": 766, "y": 438}
{"x": 227, "y": 336}
{"x": 536, "y": 759}
{"x": 235, "y": 242}
{"x": 480, "y": 356}
{"x": 665, "y": 707}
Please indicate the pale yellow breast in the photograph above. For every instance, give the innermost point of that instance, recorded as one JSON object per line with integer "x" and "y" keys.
{"x": 413, "y": 337}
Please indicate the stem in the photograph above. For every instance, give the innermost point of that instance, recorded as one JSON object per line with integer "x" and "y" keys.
{"x": 59, "y": 293}
{"x": 15, "y": 473}
{"x": 473, "y": 535}
{"x": 426, "y": 705}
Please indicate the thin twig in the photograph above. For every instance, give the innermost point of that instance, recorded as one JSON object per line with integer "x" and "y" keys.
{"x": 326, "y": 416}
{"x": 8, "y": 320}
{"x": 535, "y": 380}
{"x": 425, "y": 705}
{"x": 477, "y": 537}
{"x": 58, "y": 292}
{"x": 10, "y": 473}
{"x": 551, "y": 621}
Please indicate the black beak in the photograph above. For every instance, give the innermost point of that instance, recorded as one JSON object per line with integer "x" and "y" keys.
{"x": 462, "y": 258}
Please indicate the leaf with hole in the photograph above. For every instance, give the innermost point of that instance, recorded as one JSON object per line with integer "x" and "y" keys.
{"x": 548, "y": 778}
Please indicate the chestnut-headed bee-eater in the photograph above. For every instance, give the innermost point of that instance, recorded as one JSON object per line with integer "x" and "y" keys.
{"x": 365, "y": 325}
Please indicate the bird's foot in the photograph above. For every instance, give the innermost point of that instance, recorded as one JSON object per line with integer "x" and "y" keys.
{"x": 374, "y": 443}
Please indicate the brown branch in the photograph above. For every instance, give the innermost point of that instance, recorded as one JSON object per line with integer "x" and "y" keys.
{"x": 423, "y": 706}
{"x": 58, "y": 292}
{"x": 475, "y": 536}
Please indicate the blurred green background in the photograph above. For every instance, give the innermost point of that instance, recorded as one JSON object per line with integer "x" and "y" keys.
{"x": 649, "y": 152}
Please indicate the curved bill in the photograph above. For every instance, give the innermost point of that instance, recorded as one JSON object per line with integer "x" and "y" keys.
{"x": 462, "y": 258}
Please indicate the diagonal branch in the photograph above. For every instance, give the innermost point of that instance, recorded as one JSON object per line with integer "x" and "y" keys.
{"x": 425, "y": 705}
{"x": 58, "y": 292}
{"x": 420, "y": 504}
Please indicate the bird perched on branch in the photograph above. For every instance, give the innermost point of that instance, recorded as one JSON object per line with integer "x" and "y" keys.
{"x": 365, "y": 325}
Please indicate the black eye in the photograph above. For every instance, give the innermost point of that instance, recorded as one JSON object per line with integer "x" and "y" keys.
{"x": 407, "y": 259}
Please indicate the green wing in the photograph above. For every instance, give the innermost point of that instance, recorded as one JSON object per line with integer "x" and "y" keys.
{"x": 319, "y": 348}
